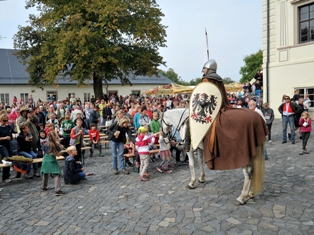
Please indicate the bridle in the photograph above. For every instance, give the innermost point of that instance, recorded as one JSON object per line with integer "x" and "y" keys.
{"x": 178, "y": 128}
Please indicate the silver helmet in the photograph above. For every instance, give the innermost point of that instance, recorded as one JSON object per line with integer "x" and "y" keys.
{"x": 209, "y": 69}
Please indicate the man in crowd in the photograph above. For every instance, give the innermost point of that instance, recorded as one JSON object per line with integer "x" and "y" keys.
{"x": 288, "y": 109}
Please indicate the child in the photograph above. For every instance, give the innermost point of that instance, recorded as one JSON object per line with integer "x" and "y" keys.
{"x": 128, "y": 148}
{"x": 73, "y": 171}
{"x": 95, "y": 138}
{"x": 50, "y": 165}
{"x": 165, "y": 154}
{"x": 40, "y": 143}
{"x": 142, "y": 144}
{"x": 155, "y": 127}
{"x": 306, "y": 128}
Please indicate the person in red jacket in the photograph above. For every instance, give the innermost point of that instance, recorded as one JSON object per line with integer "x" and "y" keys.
{"x": 95, "y": 138}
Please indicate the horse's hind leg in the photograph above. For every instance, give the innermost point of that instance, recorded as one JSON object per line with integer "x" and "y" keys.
{"x": 201, "y": 179}
{"x": 247, "y": 171}
{"x": 190, "y": 154}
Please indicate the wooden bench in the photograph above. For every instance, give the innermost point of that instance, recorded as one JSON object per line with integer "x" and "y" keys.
{"x": 100, "y": 134}
{"x": 36, "y": 160}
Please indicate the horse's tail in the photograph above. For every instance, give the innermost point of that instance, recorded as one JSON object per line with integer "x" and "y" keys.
{"x": 258, "y": 164}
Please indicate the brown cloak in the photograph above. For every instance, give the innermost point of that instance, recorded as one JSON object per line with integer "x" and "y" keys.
{"x": 235, "y": 135}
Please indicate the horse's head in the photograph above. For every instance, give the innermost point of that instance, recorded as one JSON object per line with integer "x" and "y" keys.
{"x": 173, "y": 117}
{"x": 166, "y": 127}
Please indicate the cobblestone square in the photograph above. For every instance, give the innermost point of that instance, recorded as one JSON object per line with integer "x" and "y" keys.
{"x": 121, "y": 204}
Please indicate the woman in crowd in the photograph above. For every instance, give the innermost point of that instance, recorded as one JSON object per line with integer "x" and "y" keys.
{"x": 116, "y": 135}
{"x": 5, "y": 137}
{"x": 24, "y": 140}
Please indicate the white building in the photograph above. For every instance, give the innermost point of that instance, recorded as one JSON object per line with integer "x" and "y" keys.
{"x": 14, "y": 82}
{"x": 288, "y": 46}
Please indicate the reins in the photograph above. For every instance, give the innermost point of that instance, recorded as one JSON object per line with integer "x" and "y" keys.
{"x": 178, "y": 128}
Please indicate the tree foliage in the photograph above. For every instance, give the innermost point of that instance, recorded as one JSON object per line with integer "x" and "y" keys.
{"x": 173, "y": 76}
{"x": 227, "y": 80}
{"x": 253, "y": 63}
{"x": 95, "y": 40}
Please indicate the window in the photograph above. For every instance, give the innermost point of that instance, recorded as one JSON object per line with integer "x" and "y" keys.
{"x": 24, "y": 96}
{"x": 4, "y": 98}
{"x": 137, "y": 93}
{"x": 113, "y": 93}
{"x": 308, "y": 91}
{"x": 306, "y": 23}
{"x": 86, "y": 97}
{"x": 53, "y": 94}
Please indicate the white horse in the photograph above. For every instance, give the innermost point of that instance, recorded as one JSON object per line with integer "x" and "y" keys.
{"x": 253, "y": 179}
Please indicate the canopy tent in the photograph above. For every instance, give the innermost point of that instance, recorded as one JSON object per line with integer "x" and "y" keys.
{"x": 234, "y": 87}
{"x": 168, "y": 89}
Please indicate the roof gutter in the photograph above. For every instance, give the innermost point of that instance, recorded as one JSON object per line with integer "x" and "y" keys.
{"x": 10, "y": 68}
{"x": 268, "y": 50}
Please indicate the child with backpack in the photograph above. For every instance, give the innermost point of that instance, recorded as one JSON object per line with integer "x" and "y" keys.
{"x": 142, "y": 144}
{"x": 165, "y": 154}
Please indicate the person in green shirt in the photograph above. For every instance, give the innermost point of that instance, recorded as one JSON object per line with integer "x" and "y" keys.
{"x": 155, "y": 124}
{"x": 66, "y": 126}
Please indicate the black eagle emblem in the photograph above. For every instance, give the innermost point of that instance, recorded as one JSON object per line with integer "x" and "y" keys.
{"x": 203, "y": 106}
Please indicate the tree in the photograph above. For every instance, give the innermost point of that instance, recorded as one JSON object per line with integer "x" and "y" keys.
{"x": 91, "y": 40}
{"x": 194, "y": 82}
{"x": 227, "y": 80}
{"x": 253, "y": 63}
{"x": 173, "y": 76}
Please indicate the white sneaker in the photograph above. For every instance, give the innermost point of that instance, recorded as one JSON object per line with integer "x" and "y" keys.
{"x": 7, "y": 181}
{"x": 7, "y": 162}
{"x": 269, "y": 141}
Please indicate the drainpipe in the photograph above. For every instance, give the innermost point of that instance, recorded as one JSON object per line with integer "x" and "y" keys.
{"x": 268, "y": 49}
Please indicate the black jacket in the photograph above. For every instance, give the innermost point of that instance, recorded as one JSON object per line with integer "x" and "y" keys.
{"x": 106, "y": 112}
{"x": 24, "y": 146}
{"x": 70, "y": 171}
{"x": 292, "y": 104}
{"x": 115, "y": 127}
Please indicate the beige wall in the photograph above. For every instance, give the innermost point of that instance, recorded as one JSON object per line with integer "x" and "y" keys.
{"x": 63, "y": 90}
{"x": 291, "y": 64}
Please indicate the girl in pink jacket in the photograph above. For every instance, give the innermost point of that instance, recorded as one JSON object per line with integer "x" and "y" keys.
{"x": 306, "y": 128}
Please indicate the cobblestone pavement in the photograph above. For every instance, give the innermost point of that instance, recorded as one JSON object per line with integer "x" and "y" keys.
{"x": 121, "y": 204}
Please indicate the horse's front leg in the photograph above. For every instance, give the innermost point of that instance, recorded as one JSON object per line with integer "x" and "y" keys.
{"x": 190, "y": 154}
{"x": 200, "y": 156}
{"x": 247, "y": 171}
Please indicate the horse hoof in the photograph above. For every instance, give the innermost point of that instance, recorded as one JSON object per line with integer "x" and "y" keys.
{"x": 189, "y": 187}
{"x": 240, "y": 200}
{"x": 201, "y": 181}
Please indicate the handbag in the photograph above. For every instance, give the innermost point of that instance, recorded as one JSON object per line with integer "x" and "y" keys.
{"x": 108, "y": 123}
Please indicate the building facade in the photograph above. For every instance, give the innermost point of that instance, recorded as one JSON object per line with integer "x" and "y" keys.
{"x": 288, "y": 50}
{"x": 14, "y": 82}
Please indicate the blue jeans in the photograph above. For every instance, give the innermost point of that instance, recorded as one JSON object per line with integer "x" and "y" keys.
{"x": 265, "y": 153}
{"x": 285, "y": 121}
{"x": 81, "y": 173}
{"x": 32, "y": 155}
{"x": 6, "y": 170}
{"x": 117, "y": 151}
{"x": 258, "y": 93}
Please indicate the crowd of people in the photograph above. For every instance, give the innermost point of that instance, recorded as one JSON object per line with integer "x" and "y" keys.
{"x": 46, "y": 129}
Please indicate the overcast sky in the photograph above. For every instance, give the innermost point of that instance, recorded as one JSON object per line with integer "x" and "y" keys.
{"x": 234, "y": 30}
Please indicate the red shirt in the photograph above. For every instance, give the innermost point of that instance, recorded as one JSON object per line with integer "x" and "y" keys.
{"x": 94, "y": 135}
